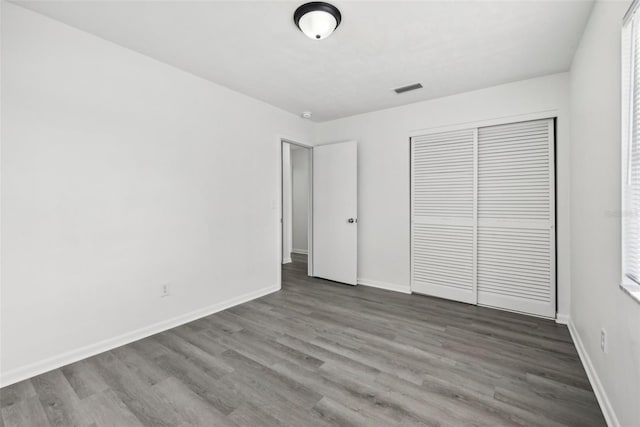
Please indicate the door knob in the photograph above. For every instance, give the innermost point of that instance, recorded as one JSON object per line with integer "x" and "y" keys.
{"x": 351, "y": 220}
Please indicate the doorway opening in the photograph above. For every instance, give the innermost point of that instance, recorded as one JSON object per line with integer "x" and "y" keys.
{"x": 297, "y": 209}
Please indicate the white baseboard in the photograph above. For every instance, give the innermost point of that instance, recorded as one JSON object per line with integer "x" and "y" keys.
{"x": 286, "y": 261}
{"x": 383, "y": 285}
{"x": 598, "y": 389}
{"x": 562, "y": 319}
{"x": 55, "y": 362}
{"x": 300, "y": 251}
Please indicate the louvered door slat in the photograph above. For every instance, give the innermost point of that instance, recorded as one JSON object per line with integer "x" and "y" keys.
{"x": 444, "y": 215}
{"x": 516, "y": 239}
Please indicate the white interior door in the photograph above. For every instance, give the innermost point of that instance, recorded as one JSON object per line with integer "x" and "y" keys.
{"x": 335, "y": 212}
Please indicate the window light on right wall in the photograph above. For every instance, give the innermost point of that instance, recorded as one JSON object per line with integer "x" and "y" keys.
{"x": 630, "y": 182}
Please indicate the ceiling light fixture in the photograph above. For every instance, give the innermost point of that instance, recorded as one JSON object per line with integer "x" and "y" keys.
{"x": 317, "y": 20}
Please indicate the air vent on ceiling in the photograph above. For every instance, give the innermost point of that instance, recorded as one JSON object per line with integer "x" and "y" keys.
{"x": 407, "y": 88}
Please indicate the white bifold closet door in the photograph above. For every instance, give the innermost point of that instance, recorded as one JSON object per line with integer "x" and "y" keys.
{"x": 516, "y": 217}
{"x": 483, "y": 216}
{"x": 444, "y": 215}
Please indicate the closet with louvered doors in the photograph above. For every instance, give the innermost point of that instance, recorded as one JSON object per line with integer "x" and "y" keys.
{"x": 483, "y": 216}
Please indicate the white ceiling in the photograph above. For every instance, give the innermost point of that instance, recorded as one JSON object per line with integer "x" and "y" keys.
{"x": 255, "y": 48}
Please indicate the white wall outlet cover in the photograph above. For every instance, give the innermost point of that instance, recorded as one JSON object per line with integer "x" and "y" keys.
{"x": 165, "y": 290}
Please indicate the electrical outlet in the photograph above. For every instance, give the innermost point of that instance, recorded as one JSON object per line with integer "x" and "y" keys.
{"x": 603, "y": 340}
{"x": 165, "y": 290}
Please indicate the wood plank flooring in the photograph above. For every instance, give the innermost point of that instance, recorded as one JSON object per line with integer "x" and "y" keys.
{"x": 317, "y": 354}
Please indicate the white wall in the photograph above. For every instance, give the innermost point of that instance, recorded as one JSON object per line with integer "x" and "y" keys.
{"x": 384, "y": 168}
{"x": 120, "y": 173}
{"x": 300, "y": 191}
{"x": 287, "y": 204}
{"x": 597, "y": 301}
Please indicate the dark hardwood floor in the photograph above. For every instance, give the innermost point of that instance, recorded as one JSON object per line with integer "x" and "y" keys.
{"x": 320, "y": 353}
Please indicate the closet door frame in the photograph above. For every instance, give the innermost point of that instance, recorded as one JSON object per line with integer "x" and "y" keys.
{"x": 547, "y": 114}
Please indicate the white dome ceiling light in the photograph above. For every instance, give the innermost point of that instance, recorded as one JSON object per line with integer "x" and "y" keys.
{"x": 317, "y": 20}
